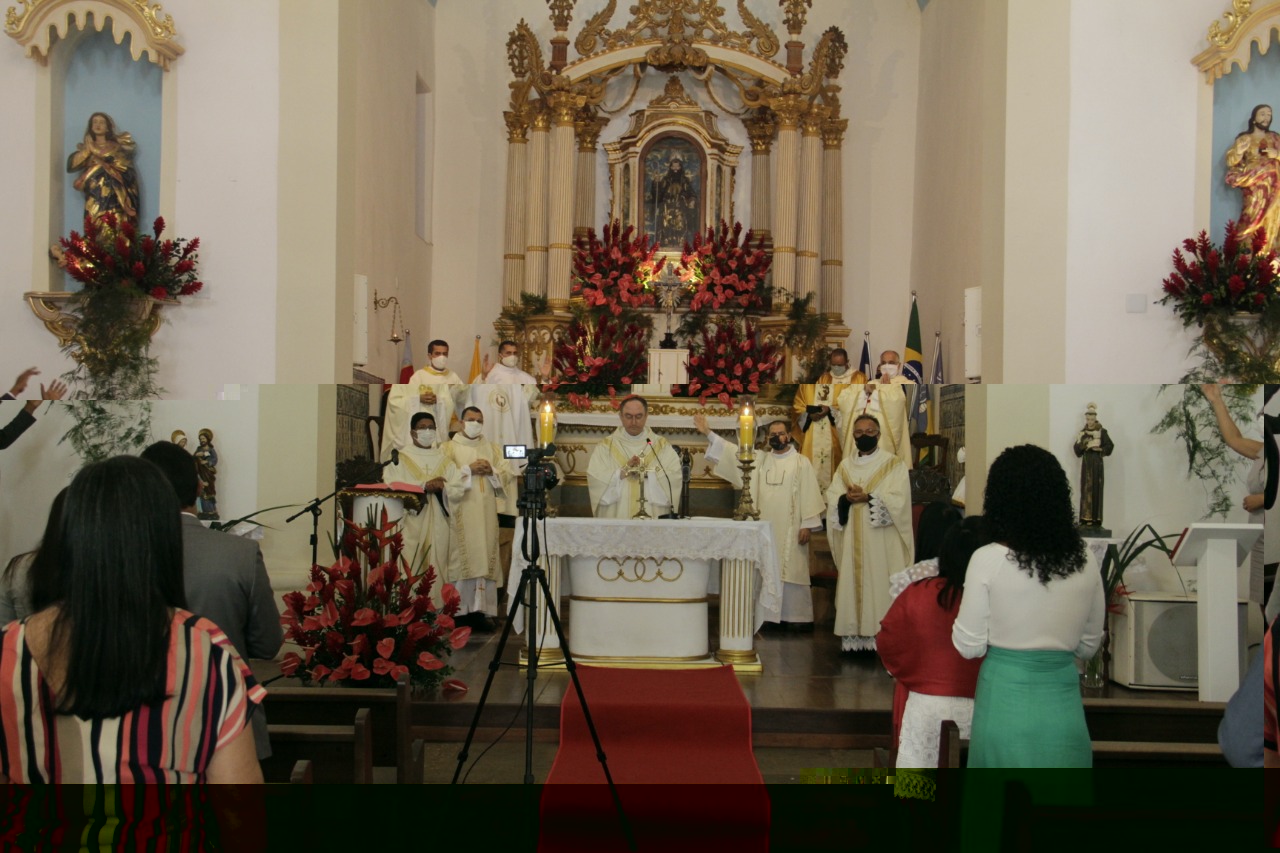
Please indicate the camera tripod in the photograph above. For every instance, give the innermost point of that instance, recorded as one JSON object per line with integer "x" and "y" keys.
{"x": 538, "y": 478}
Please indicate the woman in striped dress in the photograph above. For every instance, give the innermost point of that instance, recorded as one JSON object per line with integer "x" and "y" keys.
{"x": 1033, "y": 603}
{"x": 111, "y": 680}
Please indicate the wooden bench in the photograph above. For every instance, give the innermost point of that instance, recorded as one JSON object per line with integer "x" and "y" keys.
{"x": 390, "y": 712}
{"x": 337, "y": 754}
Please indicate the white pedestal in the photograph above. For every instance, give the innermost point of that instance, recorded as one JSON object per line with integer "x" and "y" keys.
{"x": 1217, "y": 550}
{"x": 668, "y": 367}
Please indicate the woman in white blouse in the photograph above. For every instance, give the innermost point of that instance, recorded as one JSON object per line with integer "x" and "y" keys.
{"x": 1033, "y": 602}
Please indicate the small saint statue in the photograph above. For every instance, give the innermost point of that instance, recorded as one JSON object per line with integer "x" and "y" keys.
{"x": 207, "y": 471}
{"x": 1092, "y": 445}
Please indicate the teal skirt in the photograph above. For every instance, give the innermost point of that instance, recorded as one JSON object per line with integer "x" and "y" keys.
{"x": 1028, "y": 712}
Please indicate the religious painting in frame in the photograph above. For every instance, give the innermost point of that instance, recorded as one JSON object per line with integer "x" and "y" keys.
{"x": 673, "y": 186}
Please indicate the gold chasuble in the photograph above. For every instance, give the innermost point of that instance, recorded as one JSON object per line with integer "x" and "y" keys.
{"x": 876, "y": 542}
{"x": 820, "y": 438}
{"x": 887, "y": 403}
{"x": 426, "y": 532}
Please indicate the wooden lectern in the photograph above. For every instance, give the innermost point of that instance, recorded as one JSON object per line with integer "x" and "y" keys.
{"x": 1216, "y": 550}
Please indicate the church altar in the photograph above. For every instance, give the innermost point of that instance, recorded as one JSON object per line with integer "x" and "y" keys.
{"x": 639, "y": 589}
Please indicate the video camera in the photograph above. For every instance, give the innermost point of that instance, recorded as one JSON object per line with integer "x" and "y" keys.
{"x": 539, "y": 474}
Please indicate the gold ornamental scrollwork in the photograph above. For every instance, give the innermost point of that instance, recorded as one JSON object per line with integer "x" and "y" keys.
{"x": 639, "y": 569}
{"x": 151, "y": 31}
{"x": 1231, "y": 45}
{"x": 561, "y": 14}
{"x": 676, "y": 27}
{"x": 793, "y": 15}
{"x": 1241, "y": 10}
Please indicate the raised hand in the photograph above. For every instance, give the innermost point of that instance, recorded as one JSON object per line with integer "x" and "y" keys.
{"x": 20, "y": 384}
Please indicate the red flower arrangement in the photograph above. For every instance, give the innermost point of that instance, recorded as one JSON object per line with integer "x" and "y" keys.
{"x": 111, "y": 253}
{"x": 615, "y": 273}
{"x": 728, "y": 361}
{"x": 1238, "y": 277}
{"x": 366, "y": 622}
{"x": 600, "y": 355}
{"x": 723, "y": 271}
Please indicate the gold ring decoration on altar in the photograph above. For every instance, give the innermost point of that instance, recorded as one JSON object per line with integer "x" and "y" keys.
{"x": 640, "y": 572}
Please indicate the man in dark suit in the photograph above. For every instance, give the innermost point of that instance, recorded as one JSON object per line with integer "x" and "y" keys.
{"x": 225, "y": 578}
{"x": 26, "y": 416}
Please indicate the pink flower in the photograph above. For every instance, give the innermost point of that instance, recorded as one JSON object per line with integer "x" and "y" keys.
{"x": 386, "y": 646}
{"x": 429, "y": 662}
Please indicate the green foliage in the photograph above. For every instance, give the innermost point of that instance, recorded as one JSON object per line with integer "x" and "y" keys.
{"x": 106, "y": 428}
{"x": 1246, "y": 349}
{"x": 1191, "y": 420}
{"x": 804, "y": 338}
{"x": 530, "y": 305}
{"x": 1119, "y": 557}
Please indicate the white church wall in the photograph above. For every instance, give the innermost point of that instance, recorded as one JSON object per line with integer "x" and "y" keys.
{"x": 226, "y": 116}
{"x": 1133, "y": 173}
{"x": 878, "y": 96}
{"x": 395, "y": 53}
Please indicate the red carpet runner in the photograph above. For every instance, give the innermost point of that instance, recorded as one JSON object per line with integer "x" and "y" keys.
{"x": 660, "y": 730}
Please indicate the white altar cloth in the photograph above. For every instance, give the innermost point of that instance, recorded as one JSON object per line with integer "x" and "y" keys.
{"x": 735, "y": 545}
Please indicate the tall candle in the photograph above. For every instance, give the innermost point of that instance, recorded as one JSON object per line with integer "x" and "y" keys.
{"x": 746, "y": 433}
{"x": 546, "y": 425}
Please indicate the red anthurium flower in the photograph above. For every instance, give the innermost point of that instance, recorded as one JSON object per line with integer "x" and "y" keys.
{"x": 290, "y": 664}
{"x": 428, "y": 661}
{"x": 453, "y": 685}
{"x": 364, "y": 616}
{"x": 386, "y": 646}
{"x": 459, "y": 637}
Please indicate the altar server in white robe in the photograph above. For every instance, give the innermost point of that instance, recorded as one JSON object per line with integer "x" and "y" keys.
{"x": 426, "y": 532}
{"x": 423, "y": 394}
{"x": 474, "y": 484}
{"x": 785, "y": 489}
{"x": 633, "y": 454}
{"x": 506, "y": 398}
{"x": 886, "y": 398}
{"x": 869, "y": 523}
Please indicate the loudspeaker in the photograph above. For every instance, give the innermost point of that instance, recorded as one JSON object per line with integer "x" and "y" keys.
{"x": 1154, "y": 642}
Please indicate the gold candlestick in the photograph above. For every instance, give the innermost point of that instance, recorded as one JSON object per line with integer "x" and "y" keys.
{"x": 746, "y": 509}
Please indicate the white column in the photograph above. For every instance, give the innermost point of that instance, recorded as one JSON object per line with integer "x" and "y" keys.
{"x": 737, "y": 614}
{"x": 513, "y": 243}
{"x": 535, "y": 251}
{"x": 808, "y": 234}
{"x": 831, "y": 295}
{"x": 760, "y": 130}
{"x": 560, "y": 175}
{"x": 788, "y": 108}
{"x": 587, "y": 128}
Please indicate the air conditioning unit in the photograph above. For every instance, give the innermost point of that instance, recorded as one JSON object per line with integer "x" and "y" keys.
{"x": 1154, "y": 642}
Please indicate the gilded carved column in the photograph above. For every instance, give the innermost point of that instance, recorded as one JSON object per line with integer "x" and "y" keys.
{"x": 587, "y": 128}
{"x": 760, "y": 130}
{"x": 831, "y": 298}
{"x": 808, "y": 236}
{"x": 788, "y": 109}
{"x": 560, "y": 174}
{"x": 513, "y": 239}
{"x": 535, "y": 251}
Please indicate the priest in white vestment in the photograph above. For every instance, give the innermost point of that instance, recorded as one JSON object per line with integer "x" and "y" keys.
{"x": 815, "y": 415}
{"x": 785, "y": 490}
{"x": 422, "y": 394}
{"x": 476, "y": 482}
{"x": 888, "y": 400}
{"x": 631, "y": 458}
{"x": 425, "y": 532}
{"x": 869, "y": 524}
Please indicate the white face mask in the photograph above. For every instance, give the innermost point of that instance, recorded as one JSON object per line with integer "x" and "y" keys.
{"x": 510, "y": 361}
{"x": 839, "y": 369}
{"x": 888, "y": 371}
{"x": 424, "y": 437}
{"x": 439, "y": 362}
{"x": 472, "y": 429}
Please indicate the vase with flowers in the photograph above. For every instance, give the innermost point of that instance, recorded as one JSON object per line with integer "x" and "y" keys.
{"x": 369, "y": 619}
{"x": 724, "y": 271}
{"x": 1232, "y": 293}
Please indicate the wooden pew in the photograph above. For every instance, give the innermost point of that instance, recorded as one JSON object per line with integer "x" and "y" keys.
{"x": 302, "y": 773}
{"x": 338, "y": 754}
{"x": 390, "y": 711}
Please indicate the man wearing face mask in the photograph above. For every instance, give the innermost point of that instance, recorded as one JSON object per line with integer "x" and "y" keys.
{"x": 506, "y": 395}
{"x": 426, "y": 532}
{"x": 886, "y": 398}
{"x": 816, "y": 417}
{"x": 474, "y": 484}
{"x": 434, "y": 388}
{"x": 869, "y": 523}
{"x": 786, "y": 492}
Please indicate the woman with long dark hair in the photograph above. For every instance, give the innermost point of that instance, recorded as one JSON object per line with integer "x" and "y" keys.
{"x": 915, "y": 645}
{"x": 112, "y": 680}
{"x": 1033, "y": 602}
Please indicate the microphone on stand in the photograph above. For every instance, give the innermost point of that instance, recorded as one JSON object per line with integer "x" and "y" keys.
{"x": 671, "y": 500}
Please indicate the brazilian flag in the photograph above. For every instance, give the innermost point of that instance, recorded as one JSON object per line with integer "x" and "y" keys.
{"x": 912, "y": 358}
